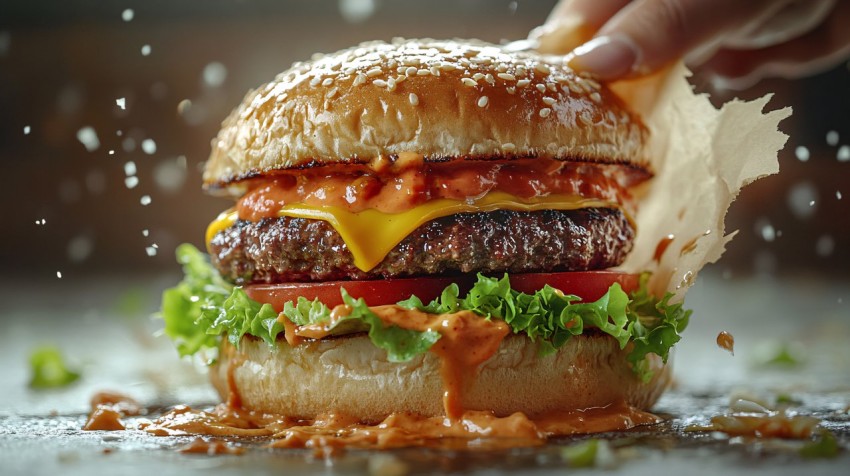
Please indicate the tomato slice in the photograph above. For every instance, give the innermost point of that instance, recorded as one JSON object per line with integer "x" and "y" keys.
{"x": 589, "y": 285}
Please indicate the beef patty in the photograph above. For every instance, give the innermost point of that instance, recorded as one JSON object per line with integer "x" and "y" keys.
{"x": 298, "y": 249}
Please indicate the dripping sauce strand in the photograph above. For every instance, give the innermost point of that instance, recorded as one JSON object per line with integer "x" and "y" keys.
{"x": 466, "y": 341}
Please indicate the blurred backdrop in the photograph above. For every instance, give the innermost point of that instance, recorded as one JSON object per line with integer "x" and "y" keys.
{"x": 107, "y": 110}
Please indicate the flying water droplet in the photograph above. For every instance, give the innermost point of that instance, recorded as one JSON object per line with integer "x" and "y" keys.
{"x": 128, "y": 14}
{"x": 832, "y": 138}
{"x": 129, "y": 168}
{"x": 149, "y": 146}
{"x": 122, "y": 103}
{"x": 145, "y": 200}
{"x": 146, "y": 50}
{"x": 825, "y": 246}
{"x": 356, "y": 11}
{"x": 802, "y": 153}
{"x": 27, "y": 130}
{"x": 802, "y": 200}
{"x": 843, "y": 154}
{"x": 88, "y": 137}
{"x": 131, "y": 182}
{"x": 214, "y": 74}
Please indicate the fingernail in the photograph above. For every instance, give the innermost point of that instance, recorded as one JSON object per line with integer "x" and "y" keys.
{"x": 607, "y": 57}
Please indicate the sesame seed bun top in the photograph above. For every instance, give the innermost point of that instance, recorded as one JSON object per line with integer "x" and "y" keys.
{"x": 445, "y": 100}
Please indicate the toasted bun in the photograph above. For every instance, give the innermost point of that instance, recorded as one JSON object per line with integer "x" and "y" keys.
{"x": 352, "y": 376}
{"x": 444, "y": 100}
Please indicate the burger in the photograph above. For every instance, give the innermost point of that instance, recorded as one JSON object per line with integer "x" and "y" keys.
{"x": 426, "y": 228}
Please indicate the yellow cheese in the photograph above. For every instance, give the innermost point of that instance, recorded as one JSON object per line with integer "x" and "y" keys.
{"x": 371, "y": 234}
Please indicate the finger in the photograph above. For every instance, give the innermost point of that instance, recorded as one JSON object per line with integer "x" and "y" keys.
{"x": 647, "y": 35}
{"x": 804, "y": 56}
{"x": 572, "y": 22}
{"x": 789, "y": 20}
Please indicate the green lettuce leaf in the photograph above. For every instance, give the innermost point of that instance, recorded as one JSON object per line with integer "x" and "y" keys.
{"x": 401, "y": 344}
{"x": 204, "y": 308}
{"x": 49, "y": 370}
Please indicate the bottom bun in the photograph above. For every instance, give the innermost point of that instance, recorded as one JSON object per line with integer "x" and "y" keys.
{"x": 350, "y": 375}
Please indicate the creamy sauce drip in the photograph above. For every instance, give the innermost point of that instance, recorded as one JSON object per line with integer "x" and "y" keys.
{"x": 211, "y": 447}
{"x": 467, "y": 341}
{"x": 473, "y": 429}
{"x": 107, "y": 409}
{"x": 397, "y": 188}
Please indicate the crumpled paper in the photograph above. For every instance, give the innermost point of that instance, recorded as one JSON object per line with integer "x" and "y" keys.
{"x": 702, "y": 157}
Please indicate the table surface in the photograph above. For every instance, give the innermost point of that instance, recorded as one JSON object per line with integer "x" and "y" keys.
{"x": 115, "y": 346}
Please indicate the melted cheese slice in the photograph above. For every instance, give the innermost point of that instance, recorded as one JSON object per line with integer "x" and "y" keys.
{"x": 370, "y": 235}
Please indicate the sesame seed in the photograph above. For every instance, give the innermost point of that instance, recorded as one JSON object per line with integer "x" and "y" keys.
{"x": 349, "y": 70}
{"x": 332, "y": 92}
{"x": 490, "y": 79}
{"x": 549, "y": 101}
{"x": 585, "y": 119}
{"x": 414, "y": 99}
{"x": 400, "y": 78}
{"x": 315, "y": 81}
{"x": 391, "y": 84}
{"x": 478, "y": 76}
{"x": 435, "y": 70}
{"x": 506, "y": 76}
{"x": 410, "y": 71}
{"x": 327, "y": 82}
{"x": 468, "y": 82}
{"x": 502, "y": 69}
{"x": 392, "y": 63}
{"x": 423, "y": 72}
{"x": 380, "y": 83}
{"x": 523, "y": 83}
{"x": 509, "y": 147}
{"x": 542, "y": 68}
{"x": 511, "y": 89}
{"x": 593, "y": 84}
{"x": 595, "y": 97}
{"x": 360, "y": 79}
{"x": 374, "y": 72}
{"x": 448, "y": 67}
{"x": 521, "y": 71}
{"x": 575, "y": 88}
{"x": 541, "y": 87}
{"x": 545, "y": 112}
{"x": 482, "y": 101}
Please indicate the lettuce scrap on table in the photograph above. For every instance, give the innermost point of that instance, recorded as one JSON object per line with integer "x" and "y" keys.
{"x": 203, "y": 308}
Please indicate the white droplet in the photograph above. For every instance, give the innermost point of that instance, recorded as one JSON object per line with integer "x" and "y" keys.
{"x": 128, "y": 14}
{"x": 512, "y": 6}
{"x": 843, "y": 154}
{"x": 145, "y": 200}
{"x": 119, "y": 133}
{"x": 59, "y": 274}
{"x": 146, "y": 232}
{"x": 41, "y": 221}
{"x": 838, "y": 194}
{"x": 80, "y": 248}
{"x": 111, "y": 152}
{"x": 802, "y": 153}
{"x": 122, "y": 103}
{"x": 129, "y": 168}
{"x": 88, "y": 137}
{"x": 149, "y": 146}
{"x": 146, "y": 50}
{"x": 825, "y": 246}
{"x": 150, "y": 250}
{"x": 832, "y": 138}
{"x": 169, "y": 175}
{"x": 356, "y": 11}
{"x": 26, "y": 130}
{"x": 214, "y": 74}
{"x": 131, "y": 182}
{"x": 802, "y": 200}
{"x": 765, "y": 229}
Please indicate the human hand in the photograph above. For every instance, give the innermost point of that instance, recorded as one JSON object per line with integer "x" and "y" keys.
{"x": 737, "y": 42}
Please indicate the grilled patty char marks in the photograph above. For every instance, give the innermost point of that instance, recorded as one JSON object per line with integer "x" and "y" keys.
{"x": 298, "y": 249}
